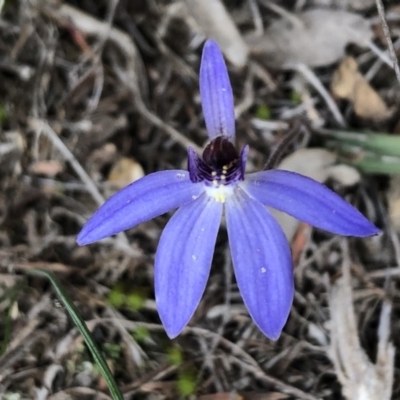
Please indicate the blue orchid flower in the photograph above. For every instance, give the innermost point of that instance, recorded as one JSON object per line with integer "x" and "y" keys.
{"x": 216, "y": 184}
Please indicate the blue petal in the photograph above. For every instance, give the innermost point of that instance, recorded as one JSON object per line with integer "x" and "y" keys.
{"x": 183, "y": 261}
{"x": 216, "y": 92}
{"x": 153, "y": 195}
{"x": 309, "y": 201}
{"x": 262, "y": 263}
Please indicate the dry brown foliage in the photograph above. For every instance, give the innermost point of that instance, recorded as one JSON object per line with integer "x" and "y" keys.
{"x": 85, "y": 84}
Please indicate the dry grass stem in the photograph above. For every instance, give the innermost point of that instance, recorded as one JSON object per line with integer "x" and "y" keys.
{"x": 360, "y": 378}
{"x": 386, "y": 31}
{"x": 313, "y": 80}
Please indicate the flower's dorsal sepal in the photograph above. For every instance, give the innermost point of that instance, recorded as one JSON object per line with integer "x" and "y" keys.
{"x": 220, "y": 164}
{"x": 216, "y": 93}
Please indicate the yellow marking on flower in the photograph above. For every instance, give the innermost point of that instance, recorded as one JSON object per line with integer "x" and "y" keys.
{"x": 215, "y": 183}
{"x": 223, "y": 177}
{"x": 214, "y": 173}
{"x": 220, "y": 197}
{"x": 220, "y": 192}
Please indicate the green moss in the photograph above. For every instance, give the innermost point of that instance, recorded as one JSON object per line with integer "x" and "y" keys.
{"x": 141, "y": 334}
{"x": 175, "y": 356}
{"x": 186, "y": 384}
{"x": 3, "y": 112}
{"x": 295, "y": 97}
{"x": 135, "y": 300}
{"x": 263, "y": 112}
{"x": 112, "y": 350}
{"x": 116, "y": 297}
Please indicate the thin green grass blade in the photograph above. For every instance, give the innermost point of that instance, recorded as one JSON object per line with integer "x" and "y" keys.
{"x": 366, "y": 161}
{"x": 83, "y": 329}
{"x": 373, "y": 164}
{"x": 379, "y": 143}
{"x": 373, "y": 153}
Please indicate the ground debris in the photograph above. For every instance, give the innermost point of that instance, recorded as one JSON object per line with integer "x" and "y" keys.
{"x": 360, "y": 378}
{"x": 94, "y": 92}
{"x": 349, "y": 84}
{"x": 315, "y": 38}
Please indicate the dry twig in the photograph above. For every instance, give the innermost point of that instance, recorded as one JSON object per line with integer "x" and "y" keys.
{"x": 386, "y": 32}
{"x": 41, "y": 126}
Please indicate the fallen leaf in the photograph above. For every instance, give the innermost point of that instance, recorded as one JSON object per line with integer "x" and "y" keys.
{"x": 318, "y": 38}
{"x": 48, "y": 168}
{"x": 314, "y": 163}
{"x": 105, "y": 155}
{"x": 344, "y": 78}
{"x": 367, "y": 102}
{"x": 349, "y": 84}
{"x": 346, "y": 175}
{"x": 125, "y": 171}
{"x": 214, "y": 21}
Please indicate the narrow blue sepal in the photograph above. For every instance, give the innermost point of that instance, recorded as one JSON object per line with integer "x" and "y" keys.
{"x": 216, "y": 92}
{"x": 147, "y": 198}
{"x": 309, "y": 201}
{"x": 262, "y": 263}
{"x": 183, "y": 261}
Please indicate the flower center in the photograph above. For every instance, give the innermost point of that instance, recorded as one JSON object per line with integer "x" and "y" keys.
{"x": 220, "y": 167}
{"x": 220, "y": 192}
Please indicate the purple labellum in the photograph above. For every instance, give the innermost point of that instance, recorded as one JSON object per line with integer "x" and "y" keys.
{"x": 220, "y": 164}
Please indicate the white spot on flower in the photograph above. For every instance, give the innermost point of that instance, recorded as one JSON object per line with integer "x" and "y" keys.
{"x": 221, "y": 192}
{"x": 194, "y": 258}
{"x": 180, "y": 175}
{"x": 263, "y": 270}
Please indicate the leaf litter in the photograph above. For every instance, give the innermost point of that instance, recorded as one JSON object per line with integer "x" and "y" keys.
{"x": 349, "y": 84}
{"x": 315, "y": 38}
{"x": 111, "y": 93}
